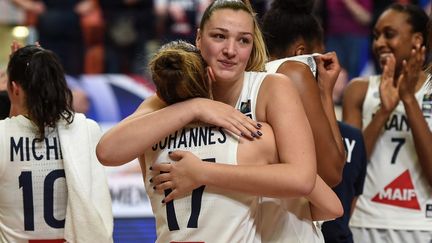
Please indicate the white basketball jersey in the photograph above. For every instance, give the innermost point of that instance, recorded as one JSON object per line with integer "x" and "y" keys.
{"x": 246, "y": 102}
{"x": 288, "y": 220}
{"x": 307, "y": 59}
{"x": 33, "y": 191}
{"x": 396, "y": 194}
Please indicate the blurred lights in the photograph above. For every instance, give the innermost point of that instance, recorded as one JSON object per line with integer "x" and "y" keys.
{"x": 20, "y": 32}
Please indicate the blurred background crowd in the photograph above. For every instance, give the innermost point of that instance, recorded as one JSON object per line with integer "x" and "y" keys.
{"x": 104, "y": 46}
{"x": 118, "y": 36}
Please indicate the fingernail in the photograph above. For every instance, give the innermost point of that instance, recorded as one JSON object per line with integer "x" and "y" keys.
{"x": 163, "y": 201}
{"x": 150, "y": 168}
{"x": 259, "y": 133}
{"x": 151, "y": 180}
{"x": 259, "y": 125}
{"x": 170, "y": 152}
{"x": 253, "y": 134}
{"x": 242, "y": 134}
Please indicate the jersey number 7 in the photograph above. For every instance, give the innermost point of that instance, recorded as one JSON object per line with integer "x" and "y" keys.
{"x": 400, "y": 142}
{"x": 195, "y": 207}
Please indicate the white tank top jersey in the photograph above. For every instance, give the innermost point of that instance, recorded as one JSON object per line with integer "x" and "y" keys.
{"x": 396, "y": 194}
{"x": 307, "y": 59}
{"x": 33, "y": 191}
{"x": 288, "y": 220}
{"x": 207, "y": 214}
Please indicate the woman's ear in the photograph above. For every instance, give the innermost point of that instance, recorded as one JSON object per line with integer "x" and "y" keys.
{"x": 418, "y": 39}
{"x": 210, "y": 79}
{"x": 300, "y": 50}
{"x": 210, "y": 74}
{"x": 198, "y": 39}
{"x": 15, "y": 88}
{"x": 298, "y": 47}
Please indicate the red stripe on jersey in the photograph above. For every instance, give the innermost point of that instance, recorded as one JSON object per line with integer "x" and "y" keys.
{"x": 187, "y": 242}
{"x": 47, "y": 241}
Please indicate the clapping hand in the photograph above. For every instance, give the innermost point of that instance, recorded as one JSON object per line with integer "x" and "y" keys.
{"x": 411, "y": 70}
{"x": 388, "y": 89}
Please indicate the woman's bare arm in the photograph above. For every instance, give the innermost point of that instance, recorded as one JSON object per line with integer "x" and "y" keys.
{"x": 327, "y": 140}
{"x": 325, "y": 204}
{"x": 151, "y": 122}
{"x": 279, "y": 105}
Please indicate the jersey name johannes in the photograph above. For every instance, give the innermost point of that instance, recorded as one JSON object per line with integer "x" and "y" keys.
{"x": 192, "y": 137}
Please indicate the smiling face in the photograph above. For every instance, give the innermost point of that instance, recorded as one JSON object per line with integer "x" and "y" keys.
{"x": 226, "y": 42}
{"x": 394, "y": 34}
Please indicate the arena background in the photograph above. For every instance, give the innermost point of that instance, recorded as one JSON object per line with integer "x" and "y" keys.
{"x": 113, "y": 97}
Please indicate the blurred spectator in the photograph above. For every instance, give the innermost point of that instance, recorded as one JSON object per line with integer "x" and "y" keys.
{"x": 93, "y": 27}
{"x": 3, "y": 80}
{"x": 347, "y": 28}
{"x": 129, "y": 24}
{"x": 4, "y": 98}
{"x": 80, "y": 101}
{"x": 4, "y": 104}
{"x": 177, "y": 19}
{"x": 10, "y": 16}
{"x": 59, "y": 28}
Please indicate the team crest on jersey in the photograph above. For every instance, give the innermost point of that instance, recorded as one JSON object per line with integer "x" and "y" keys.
{"x": 311, "y": 63}
{"x": 400, "y": 193}
{"x": 245, "y": 107}
{"x": 427, "y": 103}
{"x": 428, "y": 210}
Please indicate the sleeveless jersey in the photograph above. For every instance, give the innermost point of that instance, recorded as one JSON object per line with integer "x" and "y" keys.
{"x": 208, "y": 214}
{"x": 33, "y": 191}
{"x": 396, "y": 195}
{"x": 288, "y": 220}
{"x": 307, "y": 59}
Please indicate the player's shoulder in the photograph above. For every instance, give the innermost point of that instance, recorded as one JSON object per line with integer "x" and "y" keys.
{"x": 359, "y": 83}
{"x": 276, "y": 78}
{"x": 277, "y": 82}
{"x": 356, "y": 90}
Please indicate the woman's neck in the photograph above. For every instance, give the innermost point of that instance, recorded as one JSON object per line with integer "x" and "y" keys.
{"x": 227, "y": 92}
{"x": 17, "y": 110}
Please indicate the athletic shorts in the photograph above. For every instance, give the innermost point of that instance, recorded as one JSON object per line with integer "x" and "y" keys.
{"x": 366, "y": 235}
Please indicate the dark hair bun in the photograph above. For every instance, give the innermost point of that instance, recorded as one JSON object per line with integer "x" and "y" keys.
{"x": 171, "y": 61}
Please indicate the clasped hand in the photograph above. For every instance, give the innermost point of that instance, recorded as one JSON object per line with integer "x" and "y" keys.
{"x": 181, "y": 176}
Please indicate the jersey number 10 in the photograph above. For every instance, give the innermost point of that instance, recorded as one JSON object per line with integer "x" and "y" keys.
{"x": 26, "y": 183}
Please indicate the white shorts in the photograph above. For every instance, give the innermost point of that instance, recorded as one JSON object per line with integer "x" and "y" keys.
{"x": 372, "y": 235}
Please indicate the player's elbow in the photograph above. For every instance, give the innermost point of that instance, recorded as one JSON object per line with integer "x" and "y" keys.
{"x": 306, "y": 182}
{"x": 106, "y": 155}
{"x": 103, "y": 154}
{"x": 337, "y": 211}
{"x": 330, "y": 169}
{"x": 335, "y": 177}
